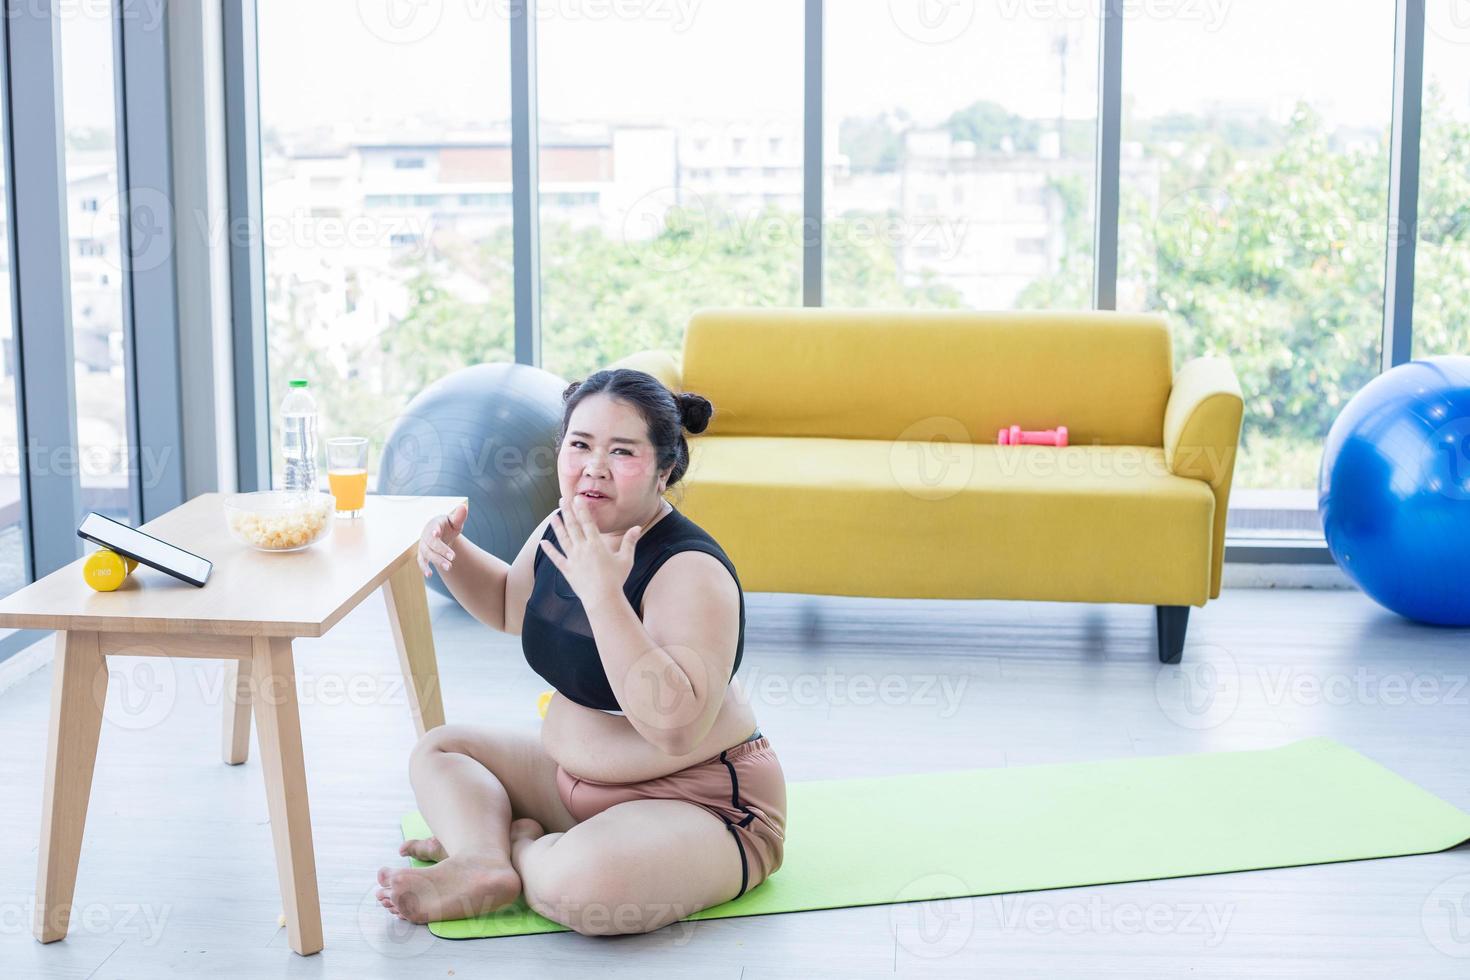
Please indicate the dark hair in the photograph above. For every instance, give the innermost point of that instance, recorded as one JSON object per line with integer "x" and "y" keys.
{"x": 668, "y": 413}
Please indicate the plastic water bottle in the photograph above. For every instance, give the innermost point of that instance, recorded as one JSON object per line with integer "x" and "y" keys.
{"x": 298, "y": 438}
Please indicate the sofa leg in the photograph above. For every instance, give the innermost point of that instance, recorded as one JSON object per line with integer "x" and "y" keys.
{"x": 1172, "y": 622}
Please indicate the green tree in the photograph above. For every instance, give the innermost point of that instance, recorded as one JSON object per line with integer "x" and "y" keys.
{"x": 988, "y": 124}
{"x": 873, "y": 143}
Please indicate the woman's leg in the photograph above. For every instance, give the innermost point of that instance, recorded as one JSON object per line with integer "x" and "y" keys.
{"x": 632, "y": 868}
{"x": 470, "y": 783}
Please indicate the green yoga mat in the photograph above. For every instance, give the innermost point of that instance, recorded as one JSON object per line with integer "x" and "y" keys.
{"x": 937, "y": 835}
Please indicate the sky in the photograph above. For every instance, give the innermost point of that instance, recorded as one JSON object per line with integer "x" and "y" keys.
{"x": 365, "y": 61}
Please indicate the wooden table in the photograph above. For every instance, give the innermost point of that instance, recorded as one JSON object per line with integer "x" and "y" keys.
{"x": 253, "y": 606}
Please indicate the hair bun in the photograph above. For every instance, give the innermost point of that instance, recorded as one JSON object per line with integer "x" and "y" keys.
{"x": 694, "y": 411}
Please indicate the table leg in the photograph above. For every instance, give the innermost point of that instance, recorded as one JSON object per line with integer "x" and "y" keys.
{"x": 408, "y": 614}
{"x": 237, "y": 712}
{"x": 78, "y": 693}
{"x": 278, "y": 730}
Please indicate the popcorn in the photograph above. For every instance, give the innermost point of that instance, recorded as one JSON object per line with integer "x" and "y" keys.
{"x": 280, "y": 531}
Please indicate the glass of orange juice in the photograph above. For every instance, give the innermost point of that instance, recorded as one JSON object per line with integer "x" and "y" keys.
{"x": 347, "y": 475}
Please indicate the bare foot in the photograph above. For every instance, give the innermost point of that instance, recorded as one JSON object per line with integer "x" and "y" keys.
{"x": 459, "y": 887}
{"x": 425, "y": 849}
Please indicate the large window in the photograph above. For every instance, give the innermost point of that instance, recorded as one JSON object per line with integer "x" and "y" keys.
{"x": 959, "y": 170}
{"x": 670, "y": 170}
{"x": 960, "y": 143}
{"x": 95, "y": 256}
{"x": 1442, "y": 253}
{"x": 1253, "y": 208}
{"x": 385, "y": 146}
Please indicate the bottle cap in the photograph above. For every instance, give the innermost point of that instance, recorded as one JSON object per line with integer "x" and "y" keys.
{"x": 298, "y": 382}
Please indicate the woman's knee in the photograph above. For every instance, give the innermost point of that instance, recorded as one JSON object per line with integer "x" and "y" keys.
{"x": 594, "y": 896}
{"x": 444, "y": 738}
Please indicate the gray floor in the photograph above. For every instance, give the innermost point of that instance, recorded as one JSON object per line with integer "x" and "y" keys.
{"x": 177, "y": 877}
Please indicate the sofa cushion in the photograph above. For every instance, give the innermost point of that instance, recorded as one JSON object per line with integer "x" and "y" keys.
{"x": 909, "y": 519}
{"x": 875, "y": 374}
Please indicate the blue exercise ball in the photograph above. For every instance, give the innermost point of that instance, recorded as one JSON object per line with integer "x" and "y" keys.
{"x": 488, "y": 433}
{"x": 1394, "y": 490}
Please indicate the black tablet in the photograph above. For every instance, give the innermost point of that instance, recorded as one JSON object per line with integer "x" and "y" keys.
{"x": 145, "y": 548}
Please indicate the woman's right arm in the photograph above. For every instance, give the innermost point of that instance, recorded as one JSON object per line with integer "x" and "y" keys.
{"x": 477, "y": 579}
{"x": 492, "y": 591}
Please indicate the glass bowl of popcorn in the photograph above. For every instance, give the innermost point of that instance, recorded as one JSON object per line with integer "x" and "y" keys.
{"x": 274, "y": 520}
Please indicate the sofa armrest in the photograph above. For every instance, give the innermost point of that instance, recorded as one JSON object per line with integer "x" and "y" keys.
{"x": 666, "y": 365}
{"x": 1201, "y": 436}
{"x": 1202, "y": 421}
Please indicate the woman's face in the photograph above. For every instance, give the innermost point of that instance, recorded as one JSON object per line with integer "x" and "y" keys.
{"x": 606, "y": 450}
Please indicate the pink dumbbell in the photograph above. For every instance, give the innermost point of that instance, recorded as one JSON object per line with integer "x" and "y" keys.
{"x": 1016, "y": 436}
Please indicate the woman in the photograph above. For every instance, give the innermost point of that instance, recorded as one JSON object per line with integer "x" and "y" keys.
{"x": 650, "y": 793}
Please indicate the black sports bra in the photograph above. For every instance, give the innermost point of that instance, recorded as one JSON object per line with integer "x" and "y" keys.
{"x": 555, "y": 635}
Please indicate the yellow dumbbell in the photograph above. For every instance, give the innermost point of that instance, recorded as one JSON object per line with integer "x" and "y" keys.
{"x": 543, "y": 701}
{"x": 105, "y": 570}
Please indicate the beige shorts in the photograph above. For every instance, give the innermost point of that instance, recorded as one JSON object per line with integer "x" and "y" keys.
{"x": 743, "y": 786}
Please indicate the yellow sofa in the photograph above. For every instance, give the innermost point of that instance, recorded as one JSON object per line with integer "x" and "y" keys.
{"x": 854, "y": 452}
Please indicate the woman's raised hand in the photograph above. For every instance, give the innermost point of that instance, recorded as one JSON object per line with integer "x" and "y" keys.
{"x": 593, "y": 570}
{"x": 435, "y": 543}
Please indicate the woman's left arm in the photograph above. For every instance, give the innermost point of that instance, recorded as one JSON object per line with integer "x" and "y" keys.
{"x": 670, "y": 669}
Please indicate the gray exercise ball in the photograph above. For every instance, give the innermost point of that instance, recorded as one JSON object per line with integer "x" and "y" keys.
{"x": 488, "y": 433}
